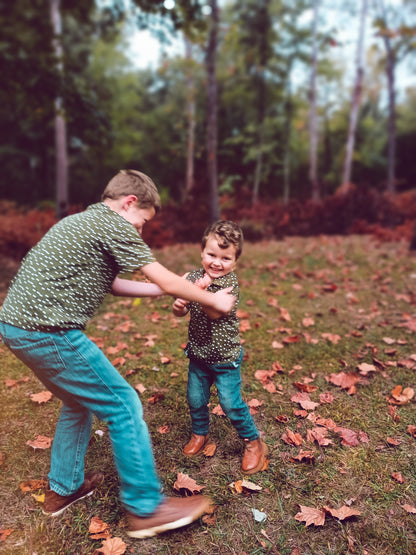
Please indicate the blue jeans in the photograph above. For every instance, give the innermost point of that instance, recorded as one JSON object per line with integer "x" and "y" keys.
{"x": 227, "y": 378}
{"x": 76, "y": 371}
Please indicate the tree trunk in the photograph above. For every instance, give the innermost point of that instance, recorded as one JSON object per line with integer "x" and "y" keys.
{"x": 356, "y": 98}
{"x": 313, "y": 126}
{"x": 212, "y": 113}
{"x": 190, "y": 116}
{"x": 391, "y": 130}
{"x": 61, "y": 156}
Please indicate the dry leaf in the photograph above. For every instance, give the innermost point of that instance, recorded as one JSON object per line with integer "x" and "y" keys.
{"x": 183, "y": 481}
{"x": 304, "y": 456}
{"x": 398, "y": 477}
{"x": 310, "y": 515}
{"x": 41, "y": 442}
{"x": 304, "y": 401}
{"x": 163, "y": 430}
{"x": 113, "y": 546}
{"x": 343, "y": 512}
{"x": 218, "y": 411}
{"x": 99, "y": 529}
{"x": 41, "y": 397}
{"x": 292, "y": 438}
{"x": 33, "y": 485}
{"x": 4, "y": 533}
{"x": 408, "y": 508}
{"x": 209, "y": 450}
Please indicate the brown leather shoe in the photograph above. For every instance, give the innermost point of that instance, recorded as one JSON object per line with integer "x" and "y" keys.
{"x": 195, "y": 445}
{"x": 254, "y": 457}
{"x": 55, "y": 504}
{"x": 173, "y": 512}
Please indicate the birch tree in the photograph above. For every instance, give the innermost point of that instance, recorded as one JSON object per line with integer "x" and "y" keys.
{"x": 212, "y": 108}
{"x": 313, "y": 123}
{"x": 356, "y": 96}
{"x": 61, "y": 155}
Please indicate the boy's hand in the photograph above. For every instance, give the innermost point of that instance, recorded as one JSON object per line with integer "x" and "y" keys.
{"x": 204, "y": 282}
{"x": 180, "y": 307}
{"x": 224, "y": 300}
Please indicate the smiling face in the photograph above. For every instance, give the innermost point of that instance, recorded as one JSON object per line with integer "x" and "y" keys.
{"x": 217, "y": 261}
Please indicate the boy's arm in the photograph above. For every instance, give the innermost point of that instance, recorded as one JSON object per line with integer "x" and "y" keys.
{"x": 130, "y": 288}
{"x": 174, "y": 285}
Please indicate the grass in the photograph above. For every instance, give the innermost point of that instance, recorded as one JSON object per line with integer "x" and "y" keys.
{"x": 351, "y": 287}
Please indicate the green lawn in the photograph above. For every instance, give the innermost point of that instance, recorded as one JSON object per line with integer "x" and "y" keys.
{"x": 331, "y": 318}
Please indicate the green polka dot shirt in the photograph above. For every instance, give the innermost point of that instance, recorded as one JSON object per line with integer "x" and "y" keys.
{"x": 65, "y": 277}
{"x": 214, "y": 341}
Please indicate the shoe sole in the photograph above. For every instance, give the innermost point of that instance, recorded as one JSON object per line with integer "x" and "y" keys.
{"x": 260, "y": 465}
{"x": 184, "y": 521}
{"x": 60, "y": 511}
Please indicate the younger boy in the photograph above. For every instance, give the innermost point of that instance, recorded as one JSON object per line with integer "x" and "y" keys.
{"x": 62, "y": 281}
{"x": 214, "y": 348}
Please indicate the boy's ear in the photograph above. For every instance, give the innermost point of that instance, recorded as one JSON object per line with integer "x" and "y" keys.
{"x": 129, "y": 200}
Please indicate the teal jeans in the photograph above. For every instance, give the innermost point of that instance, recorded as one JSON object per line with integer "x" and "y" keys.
{"x": 227, "y": 378}
{"x": 76, "y": 371}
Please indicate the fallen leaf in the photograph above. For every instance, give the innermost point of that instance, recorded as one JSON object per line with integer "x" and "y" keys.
{"x": 307, "y": 456}
{"x": 342, "y": 513}
{"x": 33, "y": 485}
{"x": 409, "y": 508}
{"x": 41, "y": 442}
{"x": 218, "y": 411}
{"x": 183, "y": 481}
{"x": 210, "y": 449}
{"x": 310, "y": 515}
{"x": 304, "y": 401}
{"x": 163, "y": 429}
{"x": 41, "y": 397}
{"x": 113, "y": 546}
{"x": 398, "y": 477}
{"x": 292, "y": 438}
{"x": 400, "y": 396}
{"x": 99, "y": 529}
{"x": 4, "y": 533}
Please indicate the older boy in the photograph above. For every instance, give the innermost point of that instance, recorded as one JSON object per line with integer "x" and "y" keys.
{"x": 214, "y": 347}
{"x": 62, "y": 281}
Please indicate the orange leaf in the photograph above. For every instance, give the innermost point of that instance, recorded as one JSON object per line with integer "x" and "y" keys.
{"x": 99, "y": 529}
{"x": 33, "y": 485}
{"x": 41, "y": 442}
{"x": 244, "y": 326}
{"x": 218, "y": 411}
{"x": 113, "y": 546}
{"x": 41, "y": 397}
{"x": 398, "y": 477}
{"x": 344, "y": 380}
{"x": 183, "y": 481}
{"x": 343, "y": 512}
{"x": 308, "y": 388}
{"x": 310, "y": 515}
{"x": 304, "y": 401}
{"x": 307, "y": 456}
{"x": 163, "y": 429}
{"x": 5, "y": 533}
{"x": 210, "y": 449}
{"x": 408, "y": 508}
{"x": 292, "y": 438}
{"x": 349, "y": 437}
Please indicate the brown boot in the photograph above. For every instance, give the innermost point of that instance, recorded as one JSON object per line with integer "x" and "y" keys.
{"x": 195, "y": 445}
{"x": 173, "y": 512}
{"x": 254, "y": 457}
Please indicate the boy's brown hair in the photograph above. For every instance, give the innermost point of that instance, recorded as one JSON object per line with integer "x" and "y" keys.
{"x": 133, "y": 182}
{"x": 227, "y": 233}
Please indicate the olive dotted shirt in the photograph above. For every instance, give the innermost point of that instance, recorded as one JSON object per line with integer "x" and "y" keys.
{"x": 214, "y": 341}
{"x": 65, "y": 277}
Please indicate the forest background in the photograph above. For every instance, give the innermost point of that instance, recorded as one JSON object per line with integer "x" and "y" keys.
{"x": 295, "y": 118}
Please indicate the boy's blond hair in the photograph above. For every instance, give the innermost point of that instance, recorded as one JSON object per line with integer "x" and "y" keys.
{"x": 227, "y": 233}
{"x": 133, "y": 182}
